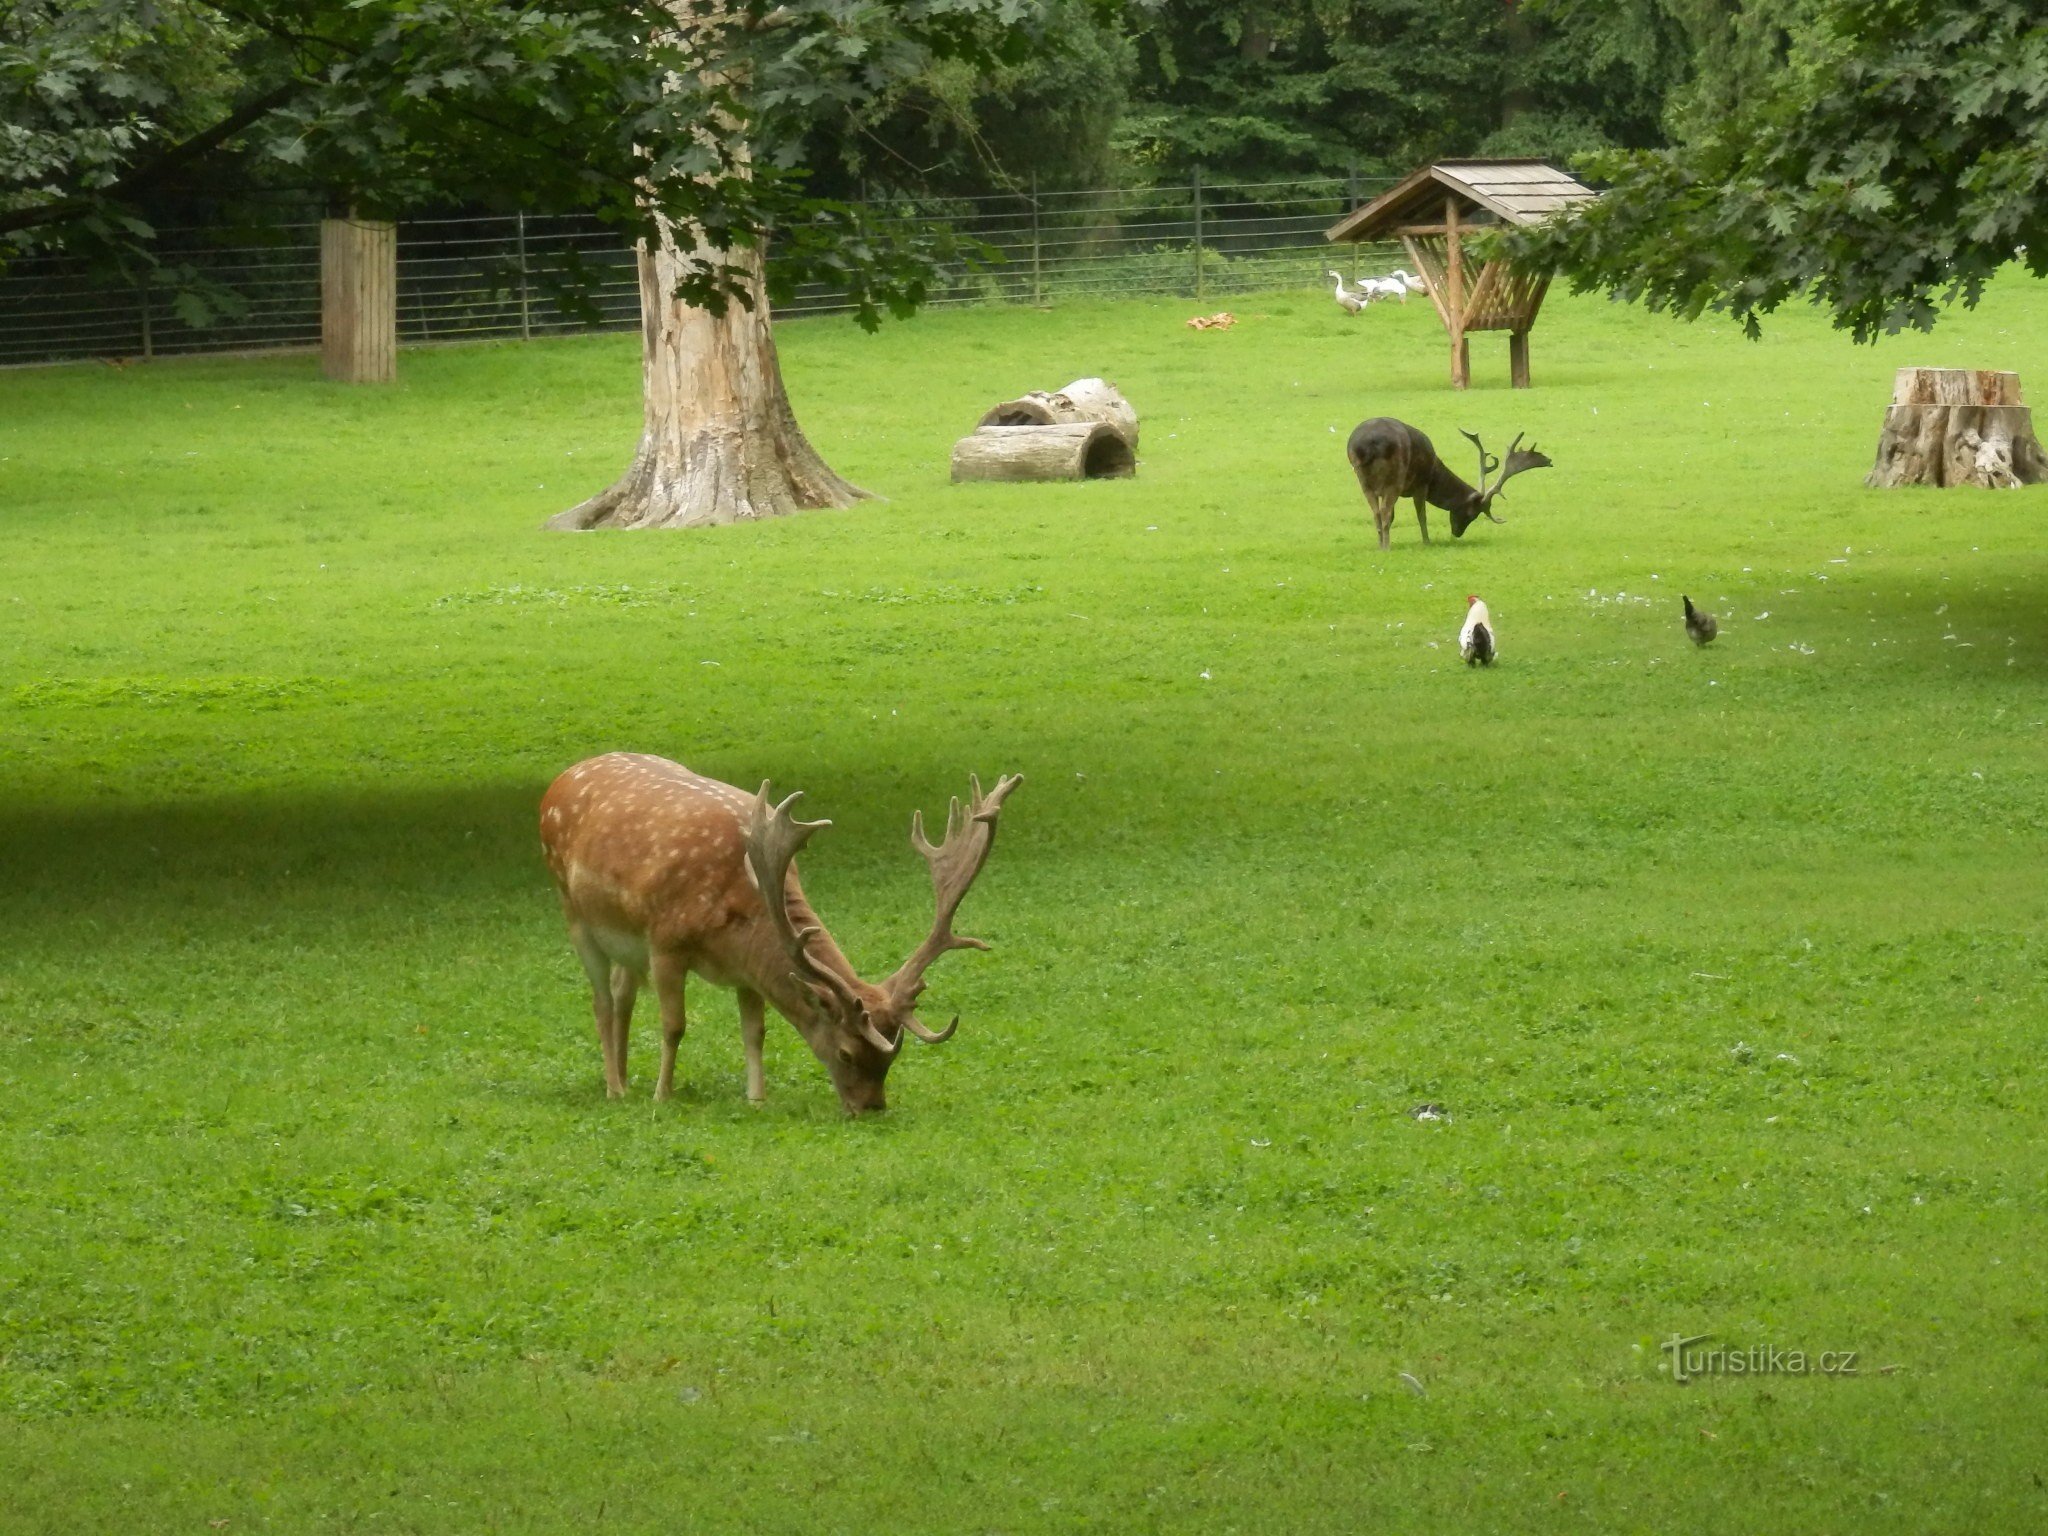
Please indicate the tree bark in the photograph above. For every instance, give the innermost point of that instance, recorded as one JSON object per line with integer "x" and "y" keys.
{"x": 1957, "y": 426}
{"x": 719, "y": 443}
{"x": 1082, "y": 450}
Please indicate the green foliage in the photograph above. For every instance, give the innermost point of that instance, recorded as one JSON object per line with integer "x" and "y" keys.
{"x": 958, "y": 129}
{"x": 1263, "y": 89}
{"x": 610, "y": 106}
{"x": 1899, "y": 164}
{"x": 1728, "y": 967}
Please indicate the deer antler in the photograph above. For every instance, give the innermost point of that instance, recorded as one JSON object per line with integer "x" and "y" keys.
{"x": 1519, "y": 459}
{"x": 1487, "y": 462}
{"x": 970, "y": 833}
{"x": 773, "y": 838}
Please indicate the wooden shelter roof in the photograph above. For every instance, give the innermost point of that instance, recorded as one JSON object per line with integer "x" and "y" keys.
{"x": 1504, "y": 191}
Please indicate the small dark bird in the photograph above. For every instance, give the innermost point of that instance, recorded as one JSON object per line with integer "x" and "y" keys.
{"x": 1475, "y": 640}
{"x": 1699, "y": 624}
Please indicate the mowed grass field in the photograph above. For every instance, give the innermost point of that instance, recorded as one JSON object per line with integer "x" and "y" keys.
{"x": 1725, "y": 969}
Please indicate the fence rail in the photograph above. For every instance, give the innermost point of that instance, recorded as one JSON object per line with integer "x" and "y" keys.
{"x": 491, "y": 277}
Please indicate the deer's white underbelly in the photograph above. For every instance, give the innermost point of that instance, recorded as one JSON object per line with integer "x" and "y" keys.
{"x": 622, "y": 947}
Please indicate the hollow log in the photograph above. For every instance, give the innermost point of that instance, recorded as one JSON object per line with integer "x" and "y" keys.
{"x": 1082, "y": 400}
{"x": 1957, "y": 426}
{"x": 1080, "y": 450}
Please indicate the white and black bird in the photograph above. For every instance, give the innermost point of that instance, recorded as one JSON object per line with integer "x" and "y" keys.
{"x": 1351, "y": 302}
{"x": 1699, "y": 623}
{"x": 1475, "y": 640}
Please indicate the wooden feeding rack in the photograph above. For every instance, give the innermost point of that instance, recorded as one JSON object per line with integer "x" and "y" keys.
{"x": 1435, "y": 211}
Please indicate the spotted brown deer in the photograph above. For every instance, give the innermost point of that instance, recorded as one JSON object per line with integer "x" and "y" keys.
{"x": 1392, "y": 460}
{"x": 663, "y": 872}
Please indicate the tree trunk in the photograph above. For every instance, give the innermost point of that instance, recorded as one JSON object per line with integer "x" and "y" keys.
{"x": 720, "y": 443}
{"x": 1082, "y": 450}
{"x": 1957, "y": 426}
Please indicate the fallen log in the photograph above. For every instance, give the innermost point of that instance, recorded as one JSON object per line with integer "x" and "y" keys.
{"x": 1081, "y": 450}
{"x": 1082, "y": 400}
{"x": 1957, "y": 426}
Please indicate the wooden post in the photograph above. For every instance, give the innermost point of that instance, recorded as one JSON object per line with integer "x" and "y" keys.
{"x": 1518, "y": 359}
{"x": 1355, "y": 205}
{"x": 1198, "y": 231}
{"x": 148, "y": 329}
{"x": 1454, "y": 281}
{"x": 525, "y": 297}
{"x": 359, "y": 300}
{"x": 1037, "y": 248}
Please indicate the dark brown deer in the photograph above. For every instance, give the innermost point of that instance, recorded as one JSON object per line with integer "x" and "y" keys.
{"x": 663, "y": 872}
{"x": 1392, "y": 460}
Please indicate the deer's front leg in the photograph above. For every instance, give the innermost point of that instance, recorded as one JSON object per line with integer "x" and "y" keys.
{"x": 1422, "y": 517}
{"x": 668, "y": 976}
{"x": 754, "y": 1034}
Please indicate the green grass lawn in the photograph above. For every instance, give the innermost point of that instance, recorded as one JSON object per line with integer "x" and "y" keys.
{"x": 1726, "y": 967}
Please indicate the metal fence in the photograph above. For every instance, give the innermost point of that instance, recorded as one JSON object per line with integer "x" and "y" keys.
{"x": 492, "y": 277}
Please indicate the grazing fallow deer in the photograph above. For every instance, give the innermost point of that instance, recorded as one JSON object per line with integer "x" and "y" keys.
{"x": 663, "y": 872}
{"x": 1392, "y": 460}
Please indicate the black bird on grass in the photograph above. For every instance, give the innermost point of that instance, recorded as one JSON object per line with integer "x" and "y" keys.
{"x": 1699, "y": 624}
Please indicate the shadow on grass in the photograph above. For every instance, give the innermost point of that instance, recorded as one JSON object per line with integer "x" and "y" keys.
{"x": 266, "y": 855}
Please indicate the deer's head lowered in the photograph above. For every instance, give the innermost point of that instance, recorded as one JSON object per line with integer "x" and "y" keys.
{"x": 856, "y": 1028}
{"x": 1474, "y": 504}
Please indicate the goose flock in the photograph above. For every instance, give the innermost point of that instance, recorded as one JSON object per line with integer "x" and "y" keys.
{"x": 1397, "y": 284}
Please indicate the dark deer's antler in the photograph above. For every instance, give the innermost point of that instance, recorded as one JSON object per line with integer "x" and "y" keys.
{"x": 970, "y": 833}
{"x": 773, "y": 838}
{"x": 1487, "y": 462}
{"x": 1519, "y": 459}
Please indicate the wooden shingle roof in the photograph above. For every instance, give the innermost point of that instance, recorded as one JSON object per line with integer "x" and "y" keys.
{"x": 1510, "y": 191}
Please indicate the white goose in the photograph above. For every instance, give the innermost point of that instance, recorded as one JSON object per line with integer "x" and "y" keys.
{"x": 1414, "y": 283}
{"x": 1351, "y": 302}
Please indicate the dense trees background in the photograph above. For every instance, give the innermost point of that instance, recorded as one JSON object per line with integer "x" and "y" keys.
{"x": 1882, "y": 154}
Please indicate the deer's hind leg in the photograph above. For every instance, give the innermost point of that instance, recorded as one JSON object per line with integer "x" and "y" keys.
{"x": 1381, "y": 502}
{"x": 625, "y": 989}
{"x": 597, "y": 965}
{"x": 669, "y": 975}
{"x": 1383, "y": 508}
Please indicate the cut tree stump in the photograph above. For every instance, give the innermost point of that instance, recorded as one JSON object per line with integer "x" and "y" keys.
{"x": 1080, "y": 450}
{"x": 1082, "y": 400}
{"x": 1957, "y": 426}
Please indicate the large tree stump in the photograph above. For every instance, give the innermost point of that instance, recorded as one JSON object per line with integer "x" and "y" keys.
{"x": 1957, "y": 426}
{"x": 1080, "y": 450}
{"x": 1082, "y": 400}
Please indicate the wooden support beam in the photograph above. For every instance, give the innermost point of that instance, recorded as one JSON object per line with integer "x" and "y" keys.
{"x": 1454, "y": 273}
{"x": 1432, "y": 278}
{"x": 359, "y": 300}
{"x": 1518, "y": 359}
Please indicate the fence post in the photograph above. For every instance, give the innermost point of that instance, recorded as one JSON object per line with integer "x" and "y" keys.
{"x": 525, "y": 309}
{"x": 1353, "y": 191}
{"x": 1037, "y": 249}
{"x": 1198, "y": 231}
{"x": 148, "y": 336}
